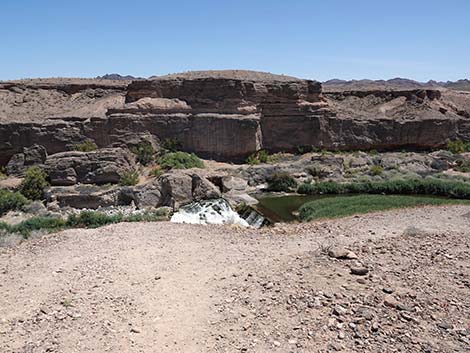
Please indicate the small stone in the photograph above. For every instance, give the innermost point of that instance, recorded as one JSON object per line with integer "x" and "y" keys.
{"x": 341, "y": 335}
{"x": 269, "y": 285}
{"x": 359, "y": 271}
{"x": 375, "y": 326}
{"x": 445, "y": 325}
{"x": 135, "y": 329}
{"x": 277, "y": 343}
{"x": 387, "y": 290}
{"x": 158, "y": 278}
{"x": 341, "y": 253}
{"x": 390, "y": 301}
{"x": 406, "y": 316}
{"x": 339, "y": 310}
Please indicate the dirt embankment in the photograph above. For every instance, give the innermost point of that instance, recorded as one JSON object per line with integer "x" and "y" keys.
{"x": 178, "y": 288}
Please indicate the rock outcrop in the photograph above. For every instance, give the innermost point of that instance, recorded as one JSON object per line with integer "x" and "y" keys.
{"x": 103, "y": 166}
{"x": 227, "y": 115}
{"x": 34, "y": 155}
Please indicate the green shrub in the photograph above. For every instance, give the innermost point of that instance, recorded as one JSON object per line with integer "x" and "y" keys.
{"x": 458, "y": 146}
{"x": 86, "y": 146}
{"x": 85, "y": 219}
{"x": 376, "y": 170}
{"x": 34, "y": 224}
{"x": 430, "y": 186}
{"x": 252, "y": 159}
{"x": 144, "y": 152}
{"x": 180, "y": 160}
{"x": 463, "y": 166}
{"x": 157, "y": 172}
{"x": 33, "y": 184}
{"x": 281, "y": 181}
{"x": 258, "y": 157}
{"x": 129, "y": 178}
{"x": 92, "y": 219}
{"x": 11, "y": 201}
{"x": 172, "y": 145}
{"x": 3, "y": 173}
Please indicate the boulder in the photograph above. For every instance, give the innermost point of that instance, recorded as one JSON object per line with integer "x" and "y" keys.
{"x": 34, "y": 155}
{"x": 99, "y": 167}
{"x": 84, "y": 196}
{"x": 174, "y": 189}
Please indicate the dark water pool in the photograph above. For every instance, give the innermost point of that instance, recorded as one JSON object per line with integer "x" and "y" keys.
{"x": 282, "y": 208}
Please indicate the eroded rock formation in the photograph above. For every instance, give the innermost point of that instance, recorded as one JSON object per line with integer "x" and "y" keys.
{"x": 227, "y": 115}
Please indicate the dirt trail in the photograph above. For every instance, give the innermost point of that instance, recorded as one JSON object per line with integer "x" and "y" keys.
{"x": 163, "y": 287}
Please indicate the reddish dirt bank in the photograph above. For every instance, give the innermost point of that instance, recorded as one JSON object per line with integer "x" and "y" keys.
{"x": 178, "y": 288}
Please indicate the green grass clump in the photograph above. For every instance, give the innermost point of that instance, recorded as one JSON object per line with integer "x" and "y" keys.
{"x": 430, "y": 186}
{"x": 180, "y": 160}
{"x": 33, "y": 184}
{"x": 92, "y": 219}
{"x": 332, "y": 207}
{"x": 464, "y": 166}
{"x": 458, "y": 146}
{"x": 157, "y": 172}
{"x": 3, "y": 173}
{"x": 11, "y": 201}
{"x": 85, "y": 219}
{"x": 258, "y": 157}
{"x": 144, "y": 152}
{"x": 86, "y": 146}
{"x": 281, "y": 181}
{"x": 376, "y": 170}
{"x": 34, "y": 224}
{"x": 129, "y": 178}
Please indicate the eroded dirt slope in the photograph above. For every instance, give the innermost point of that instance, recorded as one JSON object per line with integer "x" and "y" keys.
{"x": 178, "y": 288}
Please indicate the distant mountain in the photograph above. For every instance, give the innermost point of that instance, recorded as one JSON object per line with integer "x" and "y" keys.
{"x": 394, "y": 83}
{"x": 460, "y": 85}
{"x": 118, "y": 77}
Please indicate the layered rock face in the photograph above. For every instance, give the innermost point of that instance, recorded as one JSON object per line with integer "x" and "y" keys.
{"x": 227, "y": 116}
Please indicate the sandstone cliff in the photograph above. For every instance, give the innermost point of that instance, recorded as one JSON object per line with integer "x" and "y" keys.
{"x": 226, "y": 115}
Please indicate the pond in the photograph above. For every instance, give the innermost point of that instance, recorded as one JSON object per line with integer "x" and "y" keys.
{"x": 282, "y": 208}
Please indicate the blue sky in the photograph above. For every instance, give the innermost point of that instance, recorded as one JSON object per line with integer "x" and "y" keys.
{"x": 421, "y": 39}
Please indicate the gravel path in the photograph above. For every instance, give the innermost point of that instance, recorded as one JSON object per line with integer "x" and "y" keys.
{"x": 163, "y": 287}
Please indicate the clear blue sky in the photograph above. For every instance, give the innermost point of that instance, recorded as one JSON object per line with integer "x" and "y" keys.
{"x": 418, "y": 39}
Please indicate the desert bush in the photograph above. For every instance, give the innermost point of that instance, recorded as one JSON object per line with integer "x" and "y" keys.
{"x": 429, "y": 186}
{"x": 11, "y": 201}
{"x": 157, "y": 172}
{"x": 33, "y": 224}
{"x": 92, "y": 219}
{"x": 144, "y": 152}
{"x": 463, "y": 166}
{"x": 458, "y": 146}
{"x": 281, "y": 181}
{"x": 85, "y": 219}
{"x": 376, "y": 170}
{"x": 129, "y": 178}
{"x": 258, "y": 157}
{"x": 33, "y": 184}
{"x": 86, "y": 146}
{"x": 180, "y": 160}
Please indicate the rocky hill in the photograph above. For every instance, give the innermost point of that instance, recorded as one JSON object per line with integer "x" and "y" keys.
{"x": 227, "y": 115}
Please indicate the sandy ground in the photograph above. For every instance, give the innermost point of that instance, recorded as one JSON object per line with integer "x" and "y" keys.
{"x": 163, "y": 287}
